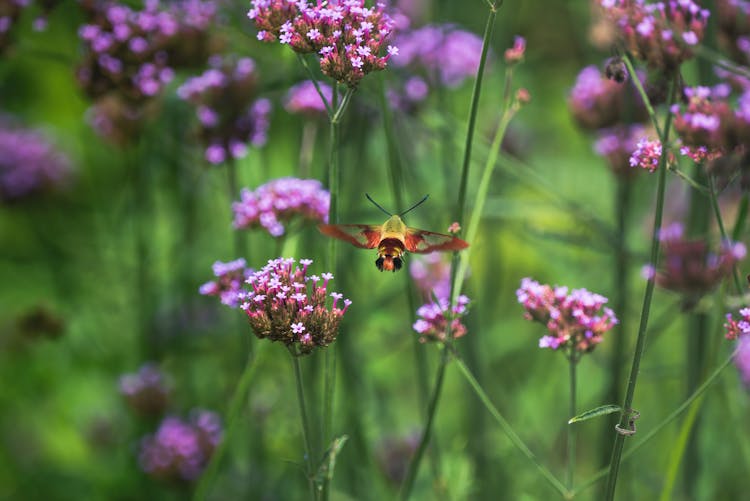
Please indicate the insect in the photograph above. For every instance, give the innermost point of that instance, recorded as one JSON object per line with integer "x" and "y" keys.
{"x": 392, "y": 238}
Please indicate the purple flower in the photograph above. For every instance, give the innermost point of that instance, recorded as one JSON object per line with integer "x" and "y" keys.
{"x": 230, "y": 278}
{"x": 738, "y": 329}
{"x": 29, "y": 164}
{"x": 146, "y": 391}
{"x": 437, "y": 319}
{"x": 742, "y": 359}
{"x": 304, "y": 99}
{"x": 596, "y": 101}
{"x": 576, "y": 320}
{"x": 616, "y": 145}
{"x": 180, "y": 450}
{"x": 431, "y": 273}
{"x": 647, "y": 154}
{"x": 279, "y": 201}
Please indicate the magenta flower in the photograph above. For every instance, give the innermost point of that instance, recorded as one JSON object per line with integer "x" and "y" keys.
{"x": 230, "y": 117}
{"x": 705, "y": 124}
{"x": 29, "y": 164}
{"x": 304, "y": 99}
{"x": 576, "y": 320}
{"x": 617, "y": 144}
{"x": 284, "y": 303}
{"x": 742, "y": 359}
{"x": 146, "y": 391}
{"x": 515, "y": 54}
{"x": 737, "y": 329}
{"x": 596, "y": 102}
{"x": 647, "y": 154}
{"x": 180, "y": 450}
{"x": 435, "y": 320}
{"x": 280, "y": 201}
{"x": 230, "y": 278}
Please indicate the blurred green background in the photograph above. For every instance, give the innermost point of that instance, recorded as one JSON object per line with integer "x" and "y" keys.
{"x": 66, "y": 432}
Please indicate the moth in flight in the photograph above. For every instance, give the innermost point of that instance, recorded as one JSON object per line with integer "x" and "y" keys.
{"x": 393, "y": 238}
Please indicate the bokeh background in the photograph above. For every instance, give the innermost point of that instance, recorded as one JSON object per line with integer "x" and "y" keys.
{"x": 70, "y": 301}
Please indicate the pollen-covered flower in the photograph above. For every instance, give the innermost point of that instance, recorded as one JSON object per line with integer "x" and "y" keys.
{"x": 597, "y": 101}
{"x": 663, "y": 34}
{"x": 437, "y": 319}
{"x": 29, "y": 164}
{"x": 689, "y": 266}
{"x": 736, "y": 329}
{"x": 616, "y": 144}
{"x": 347, "y": 36}
{"x": 284, "y": 303}
{"x": 146, "y": 391}
{"x": 280, "y": 201}
{"x": 230, "y": 116}
{"x": 304, "y": 99}
{"x": 180, "y": 450}
{"x": 230, "y": 278}
{"x": 576, "y": 320}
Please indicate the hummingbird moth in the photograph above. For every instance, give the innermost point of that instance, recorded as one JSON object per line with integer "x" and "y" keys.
{"x": 393, "y": 238}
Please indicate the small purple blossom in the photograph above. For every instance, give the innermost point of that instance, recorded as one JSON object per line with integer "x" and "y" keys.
{"x": 437, "y": 320}
{"x": 304, "y": 99}
{"x": 647, "y": 154}
{"x": 227, "y": 286}
{"x": 576, "y": 320}
{"x": 146, "y": 391}
{"x": 617, "y": 144}
{"x": 280, "y": 201}
{"x": 738, "y": 329}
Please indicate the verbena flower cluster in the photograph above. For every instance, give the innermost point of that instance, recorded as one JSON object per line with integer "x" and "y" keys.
{"x": 663, "y": 34}
{"x": 146, "y": 391}
{"x": 437, "y": 319}
{"x": 736, "y": 329}
{"x": 180, "y": 450}
{"x": 286, "y": 304}
{"x": 349, "y": 38}
{"x": 617, "y": 144}
{"x": 303, "y": 99}
{"x": 705, "y": 124}
{"x": 230, "y": 278}
{"x": 29, "y": 164}
{"x": 230, "y": 116}
{"x": 280, "y": 201}
{"x": 647, "y": 154}
{"x": 689, "y": 266}
{"x": 576, "y": 320}
{"x": 597, "y": 102}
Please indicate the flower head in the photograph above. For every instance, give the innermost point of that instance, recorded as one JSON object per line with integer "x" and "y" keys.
{"x": 280, "y": 201}
{"x": 180, "y": 450}
{"x": 515, "y": 53}
{"x": 576, "y": 320}
{"x": 438, "y": 320}
{"x": 431, "y": 274}
{"x": 230, "y": 278}
{"x": 597, "y": 102}
{"x": 301, "y": 319}
{"x": 705, "y": 124}
{"x": 742, "y": 360}
{"x": 304, "y": 99}
{"x": 737, "y": 329}
{"x": 616, "y": 144}
{"x": 146, "y": 391}
{"x": 647, "y": 154}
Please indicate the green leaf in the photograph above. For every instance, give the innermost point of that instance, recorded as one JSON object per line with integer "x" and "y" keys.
{"x": 598, "y": 411}
{"x": 328, "y": 463}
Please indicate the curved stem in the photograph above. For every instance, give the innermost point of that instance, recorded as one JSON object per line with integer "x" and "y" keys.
{"x": 619, "y": 442}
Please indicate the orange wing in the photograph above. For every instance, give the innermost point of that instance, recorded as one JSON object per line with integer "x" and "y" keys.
{"x": 422, "y": 242}
{"x": 364, "y": 236}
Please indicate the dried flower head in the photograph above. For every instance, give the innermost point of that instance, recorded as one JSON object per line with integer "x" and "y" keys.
{"x": 304, "y": 99}
{"x": 146, "y": 391}
{"x": 688, "y": 265}
{"x": 29, "y": 164}
{"x": 437, "y": 319}
{"x": 576, "y": 320}
{"x": 597, "y": 101}
{"x": 662, "y": 34}
{"x": 230, "y": 117}
{"x": 230, "y": 278}
{"x": 348, "y": 37}
{"x": 280, "y": 201}
{"x": 180, "y": 450}
{"x": 286, "y": 304}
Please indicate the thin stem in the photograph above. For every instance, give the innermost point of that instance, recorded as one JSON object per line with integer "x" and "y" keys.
{"x": 507, "y": 428}
{"x": 314, "y": 80}
{"x": 411, "y": 473}
{"x": 717, "y": 59}
{"x": 692, "y": 182}
{"x": 644, "y": 98}
{"x": 573, "y": 362}
{"x": 235, "y": 406}
{"x": 739, "y": 223}
{"x": 645, "y": 310}
{"x": 656, "y": 429}
{"x": 720, "y": 222}
{"x": 305, "y": 426}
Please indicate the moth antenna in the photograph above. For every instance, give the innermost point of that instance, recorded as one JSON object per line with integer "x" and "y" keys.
{"x": 377, "y": 204}
{"x": 415, "y": 205}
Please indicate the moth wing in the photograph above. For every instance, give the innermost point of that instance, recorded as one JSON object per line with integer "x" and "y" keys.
{"x": 364, "y": 236}
{"x": 422, "y": 242}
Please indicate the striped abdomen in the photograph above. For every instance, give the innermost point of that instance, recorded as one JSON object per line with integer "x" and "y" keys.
{"x": 390, "y": 251}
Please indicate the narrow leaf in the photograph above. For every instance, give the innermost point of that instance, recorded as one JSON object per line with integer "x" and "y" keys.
{"x": 598, "y": 411}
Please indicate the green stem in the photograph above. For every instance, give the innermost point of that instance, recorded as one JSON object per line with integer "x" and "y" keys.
{"x": 235, "y": 406}
{"x": 644, "y": 97}
{"x": 692, "y": 182}
{"x": 739, "y": 224}
{"x": 508, "y": 429}
{"x": 645, "y": 310}
{"x": 309, "y": 468}
{"x": 720, "y": 222}
{"x": 719, "y": 60}
{"x": 656, "y": 429}
{"x": 314, "y": 80}
{"x": 573, "y": 362}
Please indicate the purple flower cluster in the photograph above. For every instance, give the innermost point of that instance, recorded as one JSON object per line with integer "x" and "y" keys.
{"x": 146, "y": 391}
{"x": 180, "y": 450}
{"x": 229, "y": 115}
{"x": 29, "y": 164}
{"x": 705, "y": 123}
{"x": 660, "y": 33}
{"x": 436, "y": 319}
{"x": 279, "y": 201}
{"x": 733, "y": 17}
{"x": 432, "y": 274}
{"x": 576, "y": 320}
{"x": 230, "y": 278}
{"x": 689, "y": 267}
{"x": 304, "y": 99}
{"x": 616, "y": 144}
{"x": 647, "y": 154}
{"x": 347, "y": 36}
{"x": 737, "y": 329}
{"x": 597, "y": 102}
{"x": 286, "y": 304}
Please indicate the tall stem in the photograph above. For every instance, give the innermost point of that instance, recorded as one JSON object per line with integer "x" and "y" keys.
{"x": 720, "y": 222}
{"x": 573, "y": 362}
{"x": 640, "y": 343}
{"x": 309, "y": 468}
